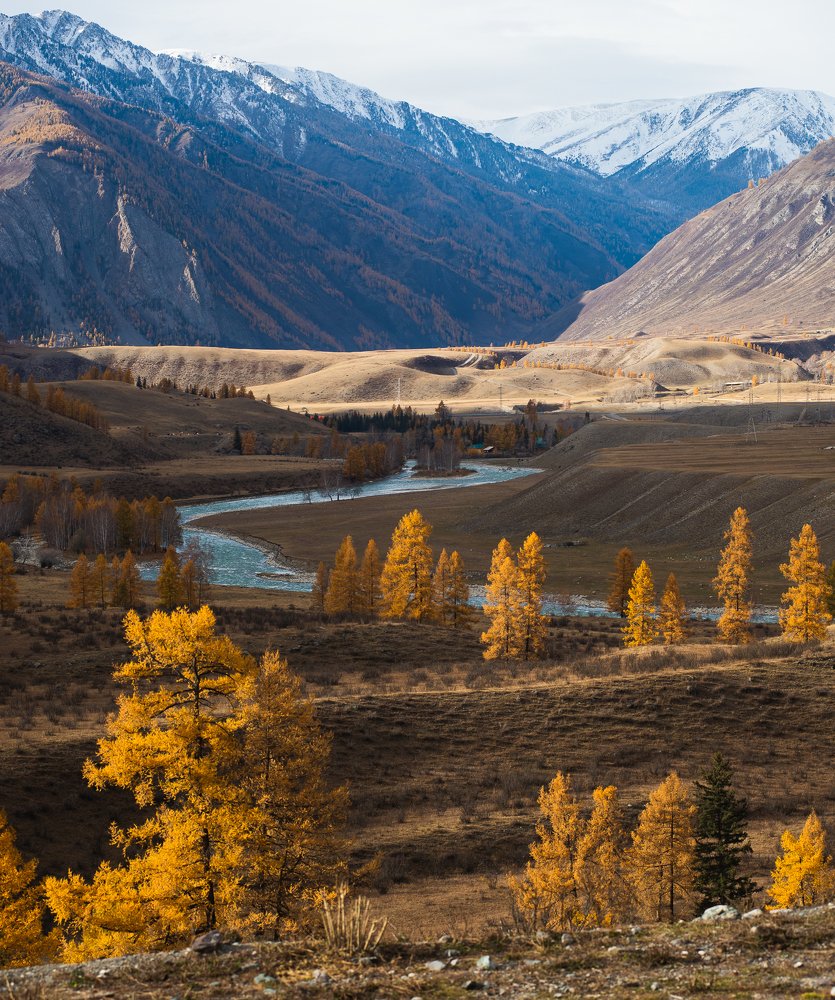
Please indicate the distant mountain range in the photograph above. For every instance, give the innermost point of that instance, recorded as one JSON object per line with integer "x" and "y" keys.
{"x": 692, "y": 152}
{"x": 762, "y": 260}
{"x": 183, "y": 198}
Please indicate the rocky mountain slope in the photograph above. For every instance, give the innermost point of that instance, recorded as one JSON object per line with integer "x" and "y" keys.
{"x": 143, "y": 227}
{"x": 760, "y": 261}
{"x": 692, "y": 152}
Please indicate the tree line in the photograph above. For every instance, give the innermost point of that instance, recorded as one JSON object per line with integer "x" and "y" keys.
{"x": 807, "y": 606}
{"x": 686, "y": 852}
{"x": 69, "y": 518}
{"x": 57, "y": 401}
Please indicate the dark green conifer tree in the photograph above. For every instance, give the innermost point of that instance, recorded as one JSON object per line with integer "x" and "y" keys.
{"x": 721, "y": 837}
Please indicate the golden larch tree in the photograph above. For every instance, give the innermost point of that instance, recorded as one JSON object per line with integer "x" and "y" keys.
{"x": 620, "y": 581}
{"x": 101, "y": 579}
{"x": 660, "y": 861}
{"x": 733, "y": 580}
{"x": 368, "y": 590}
{"x": 8, "y": 584}
{"x": 441, "y": 588}
{"x": 82, "y": 593}
{"x": 671, "y": 613}
{"x": 503, "y": 606}
{"x": 548, "y": 892}
{"x": 170, "y": 744}
{"x": 805, "y": 613}
{"x": 460, "y": 612}
{"x": 803, "y": 875}
{"x": 290, "y": 843}
{"x": 169, "y": 581}
{"x": 640, "y": 628}
{"x": 190, "y": 585}
{"x": 534, "y": 624}
{"x": 341, "y": 595}
{"x": 600, "y": 861}
{"x": 319, "y": 589}
{"x": 22, "y": 940}
{"x": 406, "y": 580}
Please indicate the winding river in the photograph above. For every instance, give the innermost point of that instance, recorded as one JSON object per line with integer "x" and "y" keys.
{"x": 235, "y": 563}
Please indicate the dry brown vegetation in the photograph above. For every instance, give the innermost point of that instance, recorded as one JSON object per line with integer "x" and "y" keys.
{"x": 444, "y": 753}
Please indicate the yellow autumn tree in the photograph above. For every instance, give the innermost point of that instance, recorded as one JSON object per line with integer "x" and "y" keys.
{"x": 620, "y": 581}
{"x": 127, "y": 583}
{"x": 803, "y": 875}
{"x": 671, "y": 612}
{"x": 22, "y": 939}
{"x": 101, "y": 580}
{"x": 600, "y": 855}
{"x": 441, "y": 587}
{"x": 640, "y": 628}
{"x": 368, "y": 585}
{"x": 660, "y": 861}
{"x": 503, "y": 606}
{"x": 406, "y": 579}
{"x": 81, "y": 584}
{"x": 169, "y": 581}
{"x": 319, "y": 589}
{"x": 170, "y": 744}
{"x": 226, "y": 762}
{"x": 341, "y": 595}
{"x": 290, "y": 817}
{"x": 460, "y": 612}
{"x": 805, "y": 613}
{"x": 733, "y": 578}
{"x": 8, "y": 584}
{"x": 534, "y": 624}
{"x": 548, "y": 893}
{"x": 190, "y": 585}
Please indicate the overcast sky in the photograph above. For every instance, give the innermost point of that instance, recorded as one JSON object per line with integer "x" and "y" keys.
{"x": 495, "y": 58}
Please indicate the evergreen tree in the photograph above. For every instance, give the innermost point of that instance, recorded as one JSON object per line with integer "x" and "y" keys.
{"x": 620, "y": 581}
{"x": 81, "y": 584}
{"x": 660, "y": 860}
{"x": 732, "y": 581}
{"x": 406, "y": 580}
{"x": 503, "y": 606}
{"x": 237, "y": 442}
{"x": 640, "y": 628}
{"x": 169, "y": 581}
{"x": 320, "y": 588}
{"x": 8, "y": 584}
{"x": 369, "y": 581}
{"x": 805, "y": 614}
{"x": 534, "y": 624}
{"x": 803, "y": 875}
{"x": 22, "y": 941}
{"x": 341, "y": 595}
{"x": 722, "y": 843}
{"x": 671, "y": 613}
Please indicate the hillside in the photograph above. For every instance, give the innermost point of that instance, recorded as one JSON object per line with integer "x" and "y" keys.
{"x": 761, "y": 261}
{"x": 129, "y": 223}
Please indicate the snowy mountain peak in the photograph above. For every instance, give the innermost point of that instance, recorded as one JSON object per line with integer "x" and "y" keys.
{"x": 777, "y": 125}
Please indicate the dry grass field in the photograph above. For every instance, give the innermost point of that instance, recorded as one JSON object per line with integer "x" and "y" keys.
{"x": 443, "y": 752}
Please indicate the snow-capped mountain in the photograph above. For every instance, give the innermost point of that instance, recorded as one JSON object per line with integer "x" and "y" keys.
{"x": 696, "y": 151}
{"x": 607, "y": 138}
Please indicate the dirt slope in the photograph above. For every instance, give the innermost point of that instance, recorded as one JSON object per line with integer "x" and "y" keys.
{"x": 762, "y": 260}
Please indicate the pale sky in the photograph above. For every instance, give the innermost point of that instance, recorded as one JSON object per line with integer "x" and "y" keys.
{"x": 496, "y": 58}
